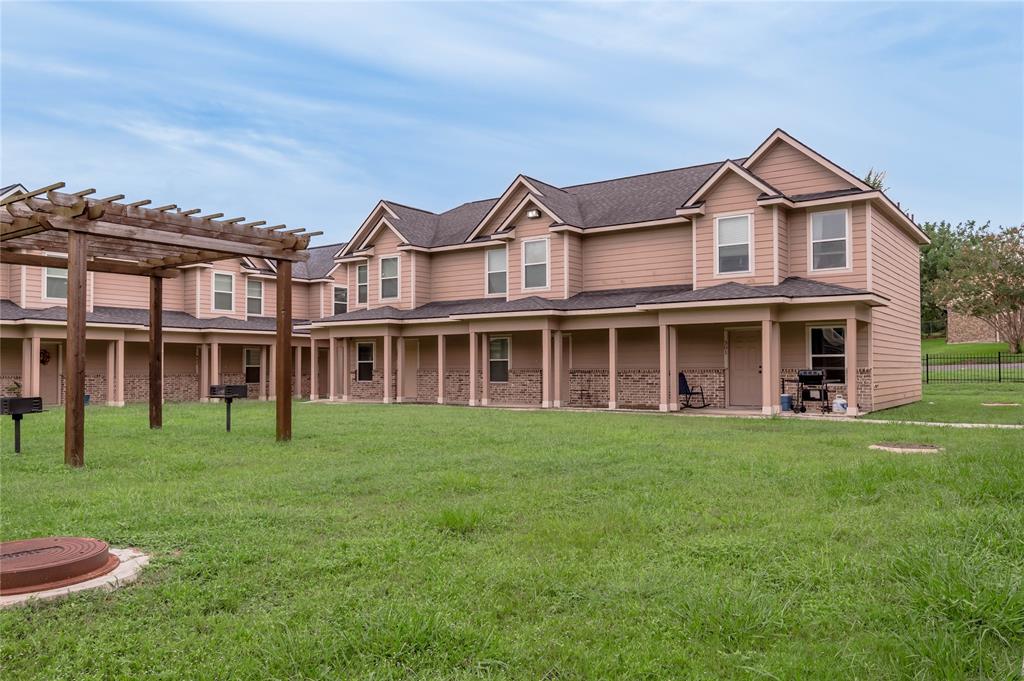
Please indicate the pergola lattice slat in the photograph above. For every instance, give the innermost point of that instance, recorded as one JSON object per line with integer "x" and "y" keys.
{"x": 97, "y": 234}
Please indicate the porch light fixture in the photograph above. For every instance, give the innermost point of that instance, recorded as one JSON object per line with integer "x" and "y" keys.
{"x": 533, "y": 213}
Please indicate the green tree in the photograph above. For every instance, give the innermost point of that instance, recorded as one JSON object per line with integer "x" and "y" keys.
{"x": 985, "y": 279}
{"x": 936, "y": 257}
{"x": 876, "y": 179}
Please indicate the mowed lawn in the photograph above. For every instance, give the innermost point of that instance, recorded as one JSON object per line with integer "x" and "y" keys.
{"x": 963, "y": 403}
{"x": 391, "y": 542}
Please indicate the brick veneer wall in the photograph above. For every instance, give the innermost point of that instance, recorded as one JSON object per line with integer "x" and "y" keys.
{"x": 426, "y": 385}
{"x": 524, "y": 387}
{"x": 962, "y": 328}
{"x": 588, "y": 388}
{"x": 7, "y": 385}
{"x": 372, "y": 390}
{"x": 638, "y": 388}
{"x": 864, "y": 388}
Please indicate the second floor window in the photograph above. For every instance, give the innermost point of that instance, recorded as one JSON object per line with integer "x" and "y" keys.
{"x": 535, "y": 263}
{"x": 389, "y": 278}
{"x": 253, "y": 296}
{"x": 362, "y": 284}
{"x": 829, "y": 240}
{"x": 497, "y": 271}
{"x": 253, "y": 359}
{"x": 56, "y": 283}
{"x": 223, "y": 292}
{"x": 732, "y": 237}
{"x": 340, "y": 300}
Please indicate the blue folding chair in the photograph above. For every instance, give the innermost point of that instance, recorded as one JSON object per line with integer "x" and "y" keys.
{"x": 688, "y": 393}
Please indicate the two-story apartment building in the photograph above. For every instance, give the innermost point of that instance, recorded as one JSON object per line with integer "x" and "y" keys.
{"x": 737, "y": 273}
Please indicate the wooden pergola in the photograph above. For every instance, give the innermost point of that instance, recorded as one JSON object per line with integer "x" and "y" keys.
{"x": 106, "y": 235}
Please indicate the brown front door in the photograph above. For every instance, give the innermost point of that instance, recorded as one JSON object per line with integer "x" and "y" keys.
{"x": 744, "y": 368}
{"x": 409, "y": 371}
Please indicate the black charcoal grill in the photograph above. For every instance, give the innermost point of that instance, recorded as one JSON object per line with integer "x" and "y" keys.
{"x": 229, "y": 393}
{"x": 812, "y": 389}
{"x": 17, "y": 407}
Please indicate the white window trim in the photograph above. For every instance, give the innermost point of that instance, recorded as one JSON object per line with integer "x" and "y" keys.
{"x": 749, "y": 272}
{"x": 366, "y": 266}
{"x": 508, "y": 361}
{"x": 248, "y": 297}
{"x": 487, "y": 273}
{"x": 397, "y": 277}
{"x": 547, "y": 265}
{"x": 213, "y": 291}
{"x": 849, "y": 240}
{"x": 42, "y": 292}
{"x": 334, "y": 302}
{"x": 259, "y": 354}
{"x": 373, "y": 359}
{"x": 827, "y": 325}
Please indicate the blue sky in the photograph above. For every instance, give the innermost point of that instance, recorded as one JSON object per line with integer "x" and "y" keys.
{"x": 309, "y": 113}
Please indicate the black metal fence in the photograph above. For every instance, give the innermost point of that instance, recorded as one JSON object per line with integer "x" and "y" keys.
{"x": 1002, "y": 367}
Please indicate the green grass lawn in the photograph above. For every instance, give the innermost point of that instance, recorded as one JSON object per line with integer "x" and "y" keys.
{"x": 391, "y": 542}
{"x": 962, "y": 403}
{"x": 939, "y": 346}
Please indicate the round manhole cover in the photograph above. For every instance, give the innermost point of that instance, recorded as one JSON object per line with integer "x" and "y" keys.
{"x": 28, "y": 565}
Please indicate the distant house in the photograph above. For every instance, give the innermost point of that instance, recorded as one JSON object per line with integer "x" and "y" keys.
{"x": 963, "y": 328}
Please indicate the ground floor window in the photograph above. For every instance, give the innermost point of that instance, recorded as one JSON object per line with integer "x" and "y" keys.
{"x": 252, "y": 365}
{"x": 364, "y": 361}
{"x": 828, "y": 352}
{"x": 498, "y": 360}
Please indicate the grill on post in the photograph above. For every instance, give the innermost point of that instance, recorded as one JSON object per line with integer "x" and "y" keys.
{"x": 17, "y": 407}
{"x": 229, "y": 393}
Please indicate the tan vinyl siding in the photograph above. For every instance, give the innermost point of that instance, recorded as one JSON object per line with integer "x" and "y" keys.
{"x": 535, "y": 229}
{"x": 799, "y": 233}
{"x": 457, "y": 275}
{"x": 5, "y": 280}
{"x": 701, "y": 346}
{"x": 730, "y": 195}
{"x": 896, "y": 331}
{"x": 792, "y": 172}
{"x": 574, "y": 247}
{"x": 424, "y": 267}
{"x": 784, "y": 259}
{"x": 385, "y": 245}
{"x": 638, "y": 257}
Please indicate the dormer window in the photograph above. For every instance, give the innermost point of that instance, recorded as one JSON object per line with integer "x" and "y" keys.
{"x": 223, "y": 292}
{"x": 535, "y": 264}
{"x": 830, "y": 240}
{"x": 497, "y": 271}
{"x": 362, "y": 284}
{"x": 732, "y": 244}
{"x": 253, "y": 296}
{"x": 56, "y": 284}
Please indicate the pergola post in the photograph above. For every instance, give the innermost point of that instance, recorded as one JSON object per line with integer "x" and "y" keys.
{"x": 156, "y": 346}
{"x": 284, "y": 344}
{"x": 74, "y": 398}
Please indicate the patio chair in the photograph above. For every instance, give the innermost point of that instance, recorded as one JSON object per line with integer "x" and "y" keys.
{"x": 688, "y": 393}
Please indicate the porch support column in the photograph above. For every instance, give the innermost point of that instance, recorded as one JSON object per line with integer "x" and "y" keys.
{"x": 663, "y": 381}
{"x": 400, "y": 373}
{"x": 111, "y": 373}
{"x": 119, "y": 372}
{"x": 851, "y": 366}
{"x": 297, "y": 386}
{"x": 283, "y": 340}
{"x": 204, "y": 372}
{"x": 387, "y": 367}
{"x": 26, "y": 367}
{"x": 770, "y": 367}
{"x": 485, "y": 371}
{"x": 33, "y": 369}
{"x": 556, "y": 372}
{"x": 214, "y": 363}
{"x": 156, "y": 352}
{"x": 613, "y": 367}
{"x": 344, "y": 370}
{"x": 545, "y": 367}
{"x": 474, "y": 350}
{"x": 673, "y": 368}
{"x": 272, "y": 387}
{"x": 314, "y": 389}
{"x": 332, "y": 369}
{"x": 440, "y": 368}
{"x": 263, "y": 374}
{"x": 74, "y": 398}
